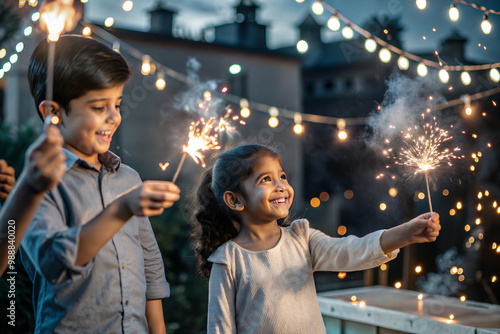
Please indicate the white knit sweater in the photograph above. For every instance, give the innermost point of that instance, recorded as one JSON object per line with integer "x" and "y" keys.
{"x": 273, "y": 291}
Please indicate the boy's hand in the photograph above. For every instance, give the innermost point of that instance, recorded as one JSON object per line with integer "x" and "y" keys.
{"x": 7, "y": 180}
{"x": 424, "y": 228}
{"x": 149, "y": 198}
{"x": 45, "y": 160}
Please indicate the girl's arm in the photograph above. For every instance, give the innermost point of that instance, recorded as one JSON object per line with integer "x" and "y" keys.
{"x": 424, "y": 228}
{"x": 154, "y": 317}
{"x": 221, "y": 301}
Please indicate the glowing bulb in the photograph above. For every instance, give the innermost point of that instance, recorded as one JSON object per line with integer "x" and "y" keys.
{"x": 28, "y": 30}
{"x": 35, "y": 17}
{"x": 109, "y": 22}
{"x": 317, "y": 8}
{"x": 468, "y": 110}
{"x": 370, "y": 45}
{"x": 333, "y": 23}
{"x": 422, "y": 70}
{"x": 3, "y": 53}
{"x": 146, "y": 65}
{"x": 245, "y": 112}
{"x": 444, "y": 76}
{"x": 466, "y": 79}
{"x": 160, "y": 82}
{"x": 13, "y": 59}
{"x": 127, "y": 5}
{"x": 342, "y": 134}
{"x": 86, "y": 31}
{"x": 6, "y": 67}
{"x": 384, "y": 55}
{"x": 235, "y": 69}
{"x": 486, "y": 25}
{"x": 420, "y": 296}
{"x": 273, "y": 121}
{"x": 298, "y": 128}
{"x": 302, "y": 46}
{"x": 397, "y": 285}
{"x": 347, "y": 32}
{"x": 19, "y": 47}
{"x": 421, "y": 4}
{"x": 494, "y": 75}
{"x": 454, "y": 14}
{"x": 403, "y": 63}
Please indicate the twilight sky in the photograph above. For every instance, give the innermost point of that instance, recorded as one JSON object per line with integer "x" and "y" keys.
{"x": 282, "y": 17}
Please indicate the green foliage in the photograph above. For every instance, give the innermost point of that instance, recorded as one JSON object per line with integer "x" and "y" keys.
{"x": 186, "y": 309}
{"x": 13, "y": 145}
{"x": 9, "y": 22}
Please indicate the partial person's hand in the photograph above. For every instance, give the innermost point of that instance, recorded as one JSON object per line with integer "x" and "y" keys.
{"x": 149, "y": 198}
{"x": 424, "y": 228}
{"x": 45, "y": 160}
{"x": 7, "y": 180}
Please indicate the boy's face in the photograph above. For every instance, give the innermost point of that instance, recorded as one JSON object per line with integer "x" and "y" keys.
{"x": 91, "y": 121}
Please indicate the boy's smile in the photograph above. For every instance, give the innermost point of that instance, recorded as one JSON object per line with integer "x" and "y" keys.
{"x": 268, "y": 196}
{"x": 90, "y": 123}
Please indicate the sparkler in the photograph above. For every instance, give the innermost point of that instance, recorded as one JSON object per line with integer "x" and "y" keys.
{"x": 203, "y": 135}
{"x": 424, "y": 149}
{"x": 56, "y": 17}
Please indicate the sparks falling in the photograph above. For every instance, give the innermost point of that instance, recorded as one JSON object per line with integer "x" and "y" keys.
{"x": 422, "y": 149}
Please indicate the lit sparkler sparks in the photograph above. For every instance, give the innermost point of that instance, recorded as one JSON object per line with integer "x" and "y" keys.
{"x": 203, "y": 135}
{"x": 423, "y": 149}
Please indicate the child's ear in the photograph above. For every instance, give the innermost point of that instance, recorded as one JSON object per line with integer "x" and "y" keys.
{"x": 232, "y": 201}
{"x": 50, "y": 108}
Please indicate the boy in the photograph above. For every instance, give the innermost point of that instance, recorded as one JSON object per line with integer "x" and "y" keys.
{"x": 90, "y": 251}
{"x": 43, "y": 167}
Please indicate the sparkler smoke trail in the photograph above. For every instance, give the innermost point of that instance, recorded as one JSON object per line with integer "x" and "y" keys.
{"x": 409, "y": 134}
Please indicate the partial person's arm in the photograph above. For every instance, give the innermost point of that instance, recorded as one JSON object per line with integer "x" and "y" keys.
{"x": 424, "y": 228}
{"x": 7, "y": 180}
{"x": 44, "y": 166}
{"x": 221, "y": 301}
{"x": 154, "y": 317}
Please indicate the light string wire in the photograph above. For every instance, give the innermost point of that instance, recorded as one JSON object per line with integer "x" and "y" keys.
{"x": 408, "y": 55}
{"x": 473, "y": 5}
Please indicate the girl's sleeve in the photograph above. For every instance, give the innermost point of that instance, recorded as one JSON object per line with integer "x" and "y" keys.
{"x": 50, "y": 247}
{"x": 348, "y": 253}
{"x": 221, "y": 301}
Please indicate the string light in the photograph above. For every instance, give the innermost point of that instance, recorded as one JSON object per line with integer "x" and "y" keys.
{"x": 384, "y": 55}
{"x": 333, "y": 23}
{"x": 403, "y": 63}
{"x": 298, "y": 128}
{"x": 444, "y": 76}
{"x": 370, "y": 45}
{"x": 486, "y": 25}
{"x": 422, "y": 70}
{"x": 317, "y": 8}
{"x": 302, "y": 46}
{"x": 453, "y": 12}
{"x": 86, "y": 31}
{"x": 109, "y": 22}
{"x": 160, "y": 81}
{"x": 127, "y": 6}
{"x": 347, "y": 32}
{"x": 146, "y": 65}
{"x": 465, "y": 77}
{"x": 494, "y": 75}
{"x": 421, "y": 4}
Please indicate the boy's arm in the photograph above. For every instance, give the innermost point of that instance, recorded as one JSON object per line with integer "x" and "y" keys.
{"x": 424, "y": 228}
{"x": 147, "y": 199}
{"x": 7, "y": 180}
{"x": 154, "y": 317}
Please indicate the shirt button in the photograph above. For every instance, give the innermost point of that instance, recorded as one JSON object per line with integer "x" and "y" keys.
{"x": 123, "y": 266}
{"x": 126, "y": 302}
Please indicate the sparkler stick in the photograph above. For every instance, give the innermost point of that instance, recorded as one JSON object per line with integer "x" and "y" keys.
{"x": 428, "y": 192}
{"x": 179, "y": 167}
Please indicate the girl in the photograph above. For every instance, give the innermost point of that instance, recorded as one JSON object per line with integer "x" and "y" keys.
{"x": 261, "y": 274}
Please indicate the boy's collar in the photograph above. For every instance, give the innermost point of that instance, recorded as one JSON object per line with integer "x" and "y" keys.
{"x": 110, "y": 160}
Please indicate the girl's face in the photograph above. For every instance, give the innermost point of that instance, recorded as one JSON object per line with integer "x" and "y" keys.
{"x": 268, "y": 196}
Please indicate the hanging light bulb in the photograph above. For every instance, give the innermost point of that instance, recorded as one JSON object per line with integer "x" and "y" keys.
{"x": 385, "y": 55}
{"x": 494, "y": 75}
{"x": 403, "y": 63}
{"x": 422, "y": 70}
{"x": 444, "y": 76}
{"x": 86, "y": 31}
{"x": 468, "y": 109}
{"x": 333, "y": 23}
{"x": 370, "y": 45}
{"x": 20, "y": 47}
{"x": 421, "y": 4}
{"x": 302, "y": 46}
{"x": 347, "y": 32}
{"x": 454, "y": 14}
{"x": 273, "y": 121}
{"x": 127, "y": 6}
{"x": 116, "y": 46}
{"x": 342, "y": 134}
{"x": 109, "y": 22}
{"x": 146, "y": 65}
{"x": 466, "y": 79}
{"x": 297, "y": 128}
{"x": 317, "y": 8}
{"x": 160, "y": 82}
{"x": 486, "y": 25}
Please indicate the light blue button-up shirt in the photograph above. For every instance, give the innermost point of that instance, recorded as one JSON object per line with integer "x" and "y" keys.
{"x": 108, "y": 294}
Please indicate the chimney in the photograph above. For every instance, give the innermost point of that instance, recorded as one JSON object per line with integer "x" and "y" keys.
{"x": 453, "y": 48}
{"x": 162, "y": 20}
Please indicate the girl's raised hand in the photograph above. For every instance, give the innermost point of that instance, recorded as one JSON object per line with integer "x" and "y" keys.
{"x": 7, "y": 180}
{"x": 424, "y": 228}
{"x": 149, "y": 198}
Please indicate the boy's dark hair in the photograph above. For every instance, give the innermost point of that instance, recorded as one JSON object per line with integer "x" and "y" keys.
{"x": 214, "y": 222}
{"x": 81, "y": 64}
